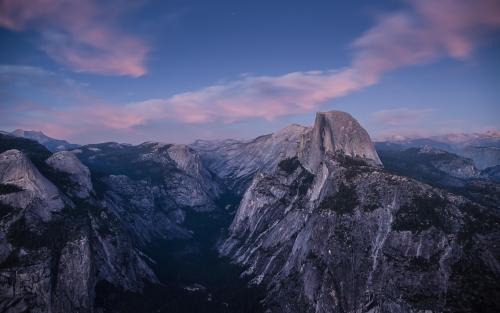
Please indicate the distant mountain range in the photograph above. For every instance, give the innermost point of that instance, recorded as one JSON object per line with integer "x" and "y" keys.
{"x": 310, "y": 219}
{"x": 482, "y": 148}
{"x": 52, "y": 144}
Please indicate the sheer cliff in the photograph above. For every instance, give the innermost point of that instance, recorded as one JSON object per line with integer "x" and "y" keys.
{"x": 312, "y": 216}
{"x": 331, "y": 231}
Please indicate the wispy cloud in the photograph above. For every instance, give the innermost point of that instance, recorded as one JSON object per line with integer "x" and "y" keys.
{"x": 21, "y": 85}
{"x": 426, "y": 31}
{"x": 429, "y": 30}
{"x": 400, "y": 116}
{"x": 24, "y": 75}
{"x": 78, "y": 34}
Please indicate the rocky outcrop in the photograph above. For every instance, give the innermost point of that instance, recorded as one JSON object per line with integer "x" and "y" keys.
{"x": 322, "y": 226}
{"x": 370, "y": 242}
{"x": 145, "y": 209}
{"x": 236, "y": 162}
{"x": 442, "y": 169}
{"x": 186, "y": 159}
{"x": 333, "y": 232}
{"x": 337, "y": 132}
{"x": 427, "y": 160}
{"x": 150, "y": 186}
{"x": 171, "y": 171}
{"x": 79, "y": 174}
{"x": 75, "y": 282}
{"x": 56, "y": 246}
{"x": 195, "y": 186}
{"x": 450, "y": 164}
{"x": 35, "y": 194}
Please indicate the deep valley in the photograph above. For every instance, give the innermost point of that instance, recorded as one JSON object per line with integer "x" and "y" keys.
{"x": 307, "y": 219}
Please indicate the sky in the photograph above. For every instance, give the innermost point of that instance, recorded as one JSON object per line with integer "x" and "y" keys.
{"x": 175, "y": 71}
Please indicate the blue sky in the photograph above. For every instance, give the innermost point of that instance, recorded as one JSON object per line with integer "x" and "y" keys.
{"x": 175, "y": 71}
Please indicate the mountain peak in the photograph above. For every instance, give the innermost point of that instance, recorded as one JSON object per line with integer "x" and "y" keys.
{"x": 290, "y": 131}
{"x": 21, "y": 133}
{"x": 339, "y": 132}
{"x": 50, "y": 143}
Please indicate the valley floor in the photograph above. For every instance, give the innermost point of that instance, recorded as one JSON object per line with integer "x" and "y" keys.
{"x": 194, "y": 278}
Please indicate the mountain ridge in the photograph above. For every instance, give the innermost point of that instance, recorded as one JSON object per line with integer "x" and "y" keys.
{"x": 346, "y": 235}
{"x": 482, "y": 148}
{"x": 309, "y": 213}
{"x": 50, "y": 143}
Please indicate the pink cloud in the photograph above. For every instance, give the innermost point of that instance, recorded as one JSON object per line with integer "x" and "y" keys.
{"x": 77, "y": 34}
{"x": 260, "y": 97}
{"x": 427, "y": 31}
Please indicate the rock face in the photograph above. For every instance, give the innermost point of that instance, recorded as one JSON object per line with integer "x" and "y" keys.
{"x": 428, "y": 160}
{"x": 66, "y": 227}
{"x": 54, "y": 245}
{"x": 175, "y": 171}
{"x": 341, "y": 234}
{"x": 36, "y": 194}
{"x": 145, "y": 209}
{"x": 151, "y": 186}
{"x": 68, "y": 163}
{"x": 442, "y": 169}
{"x": 337, "y": 132}
{"x": 236, "y": 162}
{"x": 321, "y": 225}
{"x": 196, "y": 186}
{"x": 457, "y": 167}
